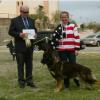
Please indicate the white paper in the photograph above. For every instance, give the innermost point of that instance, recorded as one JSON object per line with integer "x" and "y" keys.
{"x": 30, "y": 32}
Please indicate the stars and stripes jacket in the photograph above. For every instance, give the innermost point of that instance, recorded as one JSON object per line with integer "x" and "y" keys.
{"x": 66, "y": 38}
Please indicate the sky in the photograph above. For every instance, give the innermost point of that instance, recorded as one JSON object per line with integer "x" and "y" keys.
{"x": 82, "y": 11}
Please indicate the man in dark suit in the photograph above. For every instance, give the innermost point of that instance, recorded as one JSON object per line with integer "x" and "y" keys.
{"x": 24, "y": 54}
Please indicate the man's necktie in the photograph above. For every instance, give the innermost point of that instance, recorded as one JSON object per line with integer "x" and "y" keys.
{"x": 26, "y": 24}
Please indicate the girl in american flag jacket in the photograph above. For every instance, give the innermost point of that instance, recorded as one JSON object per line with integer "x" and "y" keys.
{"x": 66, "y": 41}
{"x": 66, "y": 38}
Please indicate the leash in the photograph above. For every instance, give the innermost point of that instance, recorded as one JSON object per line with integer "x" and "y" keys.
{"x": 45, "y": 38}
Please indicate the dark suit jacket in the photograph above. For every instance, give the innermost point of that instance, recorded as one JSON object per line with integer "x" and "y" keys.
{"x": 16, "y": 28}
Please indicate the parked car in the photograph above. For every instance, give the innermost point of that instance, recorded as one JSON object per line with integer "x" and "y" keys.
{"x": 48, "y": 34}
{"x": 43, "y": 34}
{"x": 93, "y": 40}
{"x": 82, "y": 45}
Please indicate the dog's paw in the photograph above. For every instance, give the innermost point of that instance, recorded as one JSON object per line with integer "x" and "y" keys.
{"x": 57, "y": 90}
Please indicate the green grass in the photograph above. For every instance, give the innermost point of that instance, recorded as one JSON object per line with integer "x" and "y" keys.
{"x": 9, "y": 89}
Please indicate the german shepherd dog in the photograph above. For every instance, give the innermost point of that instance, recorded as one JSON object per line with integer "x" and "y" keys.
{"x": 60, "y": 69}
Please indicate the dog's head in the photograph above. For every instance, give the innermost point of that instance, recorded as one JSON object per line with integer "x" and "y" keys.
{"x": 47, "y": 58}
{"x": 88, "y": 77}
{"x": 50, "y": 57}
{"x": 42, "y": 45}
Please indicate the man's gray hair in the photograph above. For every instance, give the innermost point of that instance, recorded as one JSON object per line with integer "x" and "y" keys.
{"x": 24, "y": 8}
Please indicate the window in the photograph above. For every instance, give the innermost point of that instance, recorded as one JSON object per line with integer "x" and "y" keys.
{"x": 91, "y": 36}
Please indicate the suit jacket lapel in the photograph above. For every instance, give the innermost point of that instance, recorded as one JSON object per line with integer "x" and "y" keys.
{"x": 30, "y": 23}
{"x": 21, "y": 22}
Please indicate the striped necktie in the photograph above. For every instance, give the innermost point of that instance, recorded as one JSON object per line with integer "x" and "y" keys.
{"x": 26, "y": 23}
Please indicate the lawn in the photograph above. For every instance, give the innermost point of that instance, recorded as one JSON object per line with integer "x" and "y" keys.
{"x": 9, "y": 89}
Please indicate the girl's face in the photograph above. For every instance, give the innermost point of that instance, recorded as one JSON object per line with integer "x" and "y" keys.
{"x": 64, "y": 18}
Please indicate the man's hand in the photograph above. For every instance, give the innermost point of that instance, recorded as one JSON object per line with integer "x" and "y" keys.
{"x": 35, "y": 36}
{"x": 76, "y": 52}
{"x": 23, "y": 35}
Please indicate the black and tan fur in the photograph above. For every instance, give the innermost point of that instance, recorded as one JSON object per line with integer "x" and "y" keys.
{"x": 59, "y": 70}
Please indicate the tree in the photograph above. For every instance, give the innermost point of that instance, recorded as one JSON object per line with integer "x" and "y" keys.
{"x": 56, "y": 17}
{"x": 34, "y": 16}
{"x": 42, "y": 18}
{"x": 95, "y": 26}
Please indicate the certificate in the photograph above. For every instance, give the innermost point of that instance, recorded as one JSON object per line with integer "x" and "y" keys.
{"x": 30, "y": 32}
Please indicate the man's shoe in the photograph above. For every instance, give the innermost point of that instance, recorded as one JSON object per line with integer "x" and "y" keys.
{"x": 31, "y": 85}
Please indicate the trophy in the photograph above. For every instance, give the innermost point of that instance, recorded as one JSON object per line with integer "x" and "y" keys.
{"x": 29, "y": 36}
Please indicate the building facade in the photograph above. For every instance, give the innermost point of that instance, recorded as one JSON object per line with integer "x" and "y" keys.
{"x": 12, "y": 7}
